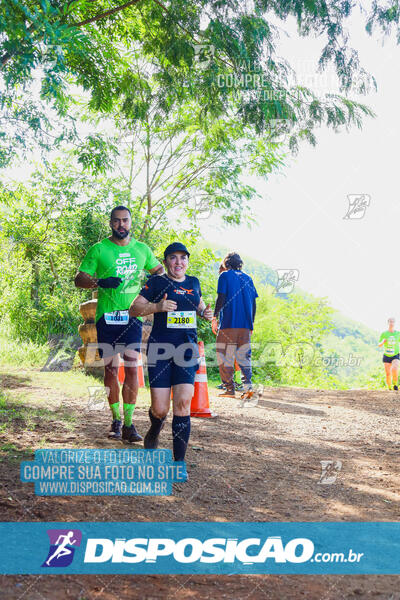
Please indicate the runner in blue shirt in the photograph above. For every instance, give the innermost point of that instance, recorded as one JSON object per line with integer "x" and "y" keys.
{"x": 236, "y": 303}
{"x": 172, "y": 351}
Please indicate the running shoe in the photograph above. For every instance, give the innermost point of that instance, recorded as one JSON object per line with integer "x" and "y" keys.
{"x": 115, "y": 431}
{"x": 227, "y": 394}
{"x": 130, "y": 435}
{"x": 221, "y": 386}
{"x": 395, "y": 387}
{"x": 238, "y": 387}
{"x": 247, "y": 395}
{"x": 151, "y": 439}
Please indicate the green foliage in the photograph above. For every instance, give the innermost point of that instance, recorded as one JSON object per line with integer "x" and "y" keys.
{"x": 47, "y": 227}
{"x": 18, "y": 352}
{"x": 97, "y": 153}
{"x": 374, "y": 379}
{"x": 58, "y": 47}
{"x": 185, "y": 169}
{"x": 46, "y": 230}
{"x": 338, "y": 352}
{"x": 288, "y": 336}
{"x": 351, "y": 357}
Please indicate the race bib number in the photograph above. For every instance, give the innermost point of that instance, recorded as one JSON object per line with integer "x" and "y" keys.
{"x": 118, "y": 317}
{"x": 181, "y": 319}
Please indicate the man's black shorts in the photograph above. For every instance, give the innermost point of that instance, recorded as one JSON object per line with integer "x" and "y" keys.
{"x": 114, "y": 338}
{"x": 388, "y": 359}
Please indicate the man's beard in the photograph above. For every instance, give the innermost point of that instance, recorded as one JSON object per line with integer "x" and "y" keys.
{"x": 119, "y": 234}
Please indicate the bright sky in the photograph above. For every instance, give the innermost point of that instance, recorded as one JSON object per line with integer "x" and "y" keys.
{"x": 300, "y": 219}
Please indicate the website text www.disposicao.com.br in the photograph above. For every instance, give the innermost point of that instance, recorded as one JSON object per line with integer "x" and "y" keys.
{"x": 212, "y": 550}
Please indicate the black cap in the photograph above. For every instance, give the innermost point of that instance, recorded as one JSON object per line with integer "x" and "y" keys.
{"x": 175, "y": 247}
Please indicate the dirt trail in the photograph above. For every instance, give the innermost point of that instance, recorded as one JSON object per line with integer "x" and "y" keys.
{"x": 259, "y": 463}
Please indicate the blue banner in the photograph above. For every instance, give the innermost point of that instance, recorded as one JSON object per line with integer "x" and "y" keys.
{"x": 98, "y": 472}
{"x": 191, "y": 548}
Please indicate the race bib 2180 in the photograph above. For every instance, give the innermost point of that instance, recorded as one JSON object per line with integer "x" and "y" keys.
{"x": 181, "y": 319}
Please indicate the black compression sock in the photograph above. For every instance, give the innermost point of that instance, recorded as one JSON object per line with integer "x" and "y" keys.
{"x": 156, "y": 423}
{"x": 180, "y": 434}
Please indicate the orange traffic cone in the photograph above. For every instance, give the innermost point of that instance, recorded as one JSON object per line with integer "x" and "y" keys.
{"x": 121, "y": 371}
{"x": 200, "y": 406}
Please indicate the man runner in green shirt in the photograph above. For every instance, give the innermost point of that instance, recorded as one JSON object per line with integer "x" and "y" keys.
{"x": 390, "y": 340}
{"x": 114, "y": 266}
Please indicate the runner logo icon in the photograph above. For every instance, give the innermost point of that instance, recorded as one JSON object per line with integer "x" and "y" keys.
{"x": 286, "y": 280}
{"x": 358, "y": 204}
{"x": 63, "y": 543}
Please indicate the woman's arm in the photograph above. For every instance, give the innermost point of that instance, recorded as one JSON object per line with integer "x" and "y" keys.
{"x": 204, "y": 311}
{"x": 141, "y": 307}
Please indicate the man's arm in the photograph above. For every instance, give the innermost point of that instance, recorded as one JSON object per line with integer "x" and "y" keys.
{"x": 85, "y": 277}
{"x": 219, "y": 304}
{"x": 157, "y": 270}
{"x": 218, "y": 307}
{"x": 254, "y": 309}
{"x": 85, "y": 281}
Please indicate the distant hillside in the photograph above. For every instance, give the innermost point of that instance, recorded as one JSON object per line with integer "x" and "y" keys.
{"x": 264, "y": 274}
{"x": 346, "y": 326}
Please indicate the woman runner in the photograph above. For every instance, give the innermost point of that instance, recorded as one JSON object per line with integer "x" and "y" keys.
{"x": 172, "y": 351}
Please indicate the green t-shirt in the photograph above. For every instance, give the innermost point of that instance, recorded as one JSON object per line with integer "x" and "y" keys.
{"x": 106, "y": 259}
{"x": 392, "y": 344}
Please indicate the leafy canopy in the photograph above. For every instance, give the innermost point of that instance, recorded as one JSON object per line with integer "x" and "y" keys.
{"x": 197, "y": 47}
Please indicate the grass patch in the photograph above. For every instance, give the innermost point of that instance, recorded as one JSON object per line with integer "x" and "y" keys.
{"x": 11, "y": 453}
{"x": 73, "y": 384}
{"x": 47, "y": 387}
{"x": 26, "y": 353}
{"x": 21, "y": 414}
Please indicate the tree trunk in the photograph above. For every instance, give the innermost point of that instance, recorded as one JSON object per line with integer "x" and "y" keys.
{"x": 35, "y": 283}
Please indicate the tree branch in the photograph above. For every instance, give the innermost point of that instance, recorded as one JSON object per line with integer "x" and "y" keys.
{"x": 7, "y": 55}
{"x": 106, "y": 14}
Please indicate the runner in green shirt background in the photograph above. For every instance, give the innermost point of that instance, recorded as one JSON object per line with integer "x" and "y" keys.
{"x": 114, "y": 266}
{"x": 390, "y": 341}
